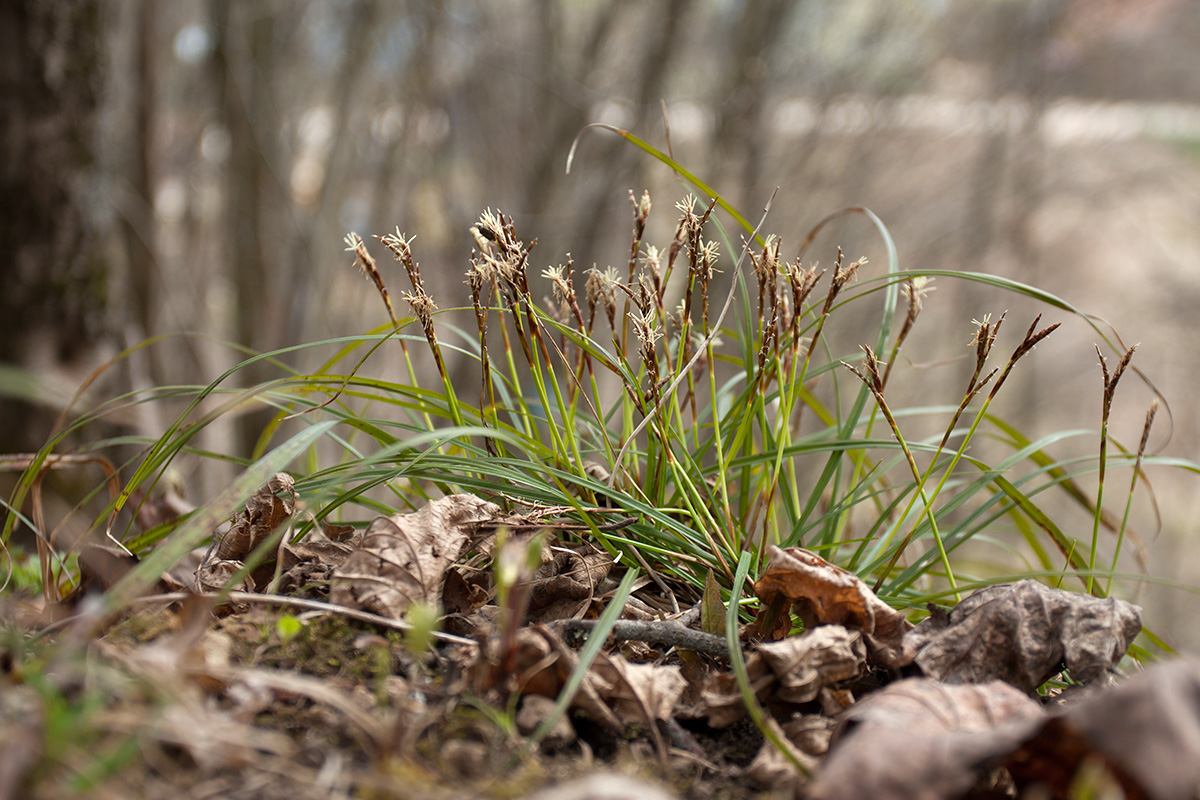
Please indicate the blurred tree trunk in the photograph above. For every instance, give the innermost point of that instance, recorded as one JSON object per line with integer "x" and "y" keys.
{"x": 743, "y": 131}
{"x": 244, "y": 67}
{"x": 655, "y": 56}
{"x": 138, "y": 214}
{"x": 565, "y": 119}
{"x": 55, "y": 279}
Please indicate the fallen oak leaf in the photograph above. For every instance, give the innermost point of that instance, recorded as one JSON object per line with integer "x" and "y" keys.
{"x": 1144, "y": 732}
{"x": 821, "y": 593}
{"x": 265, "y": 511}
{"x": 793, "y": 670}
{"x": 542, "y": 664}
{"x": 918, "y": 738}
{"x": 568, "y": 579}
{"x": 772, "y": 769}
{"x": 1023, "y": 633}
{"x": 803, "y": 665}
{"x": 534, "y": 710}
{"x": 403, "y": 559}
{"x": 308, "y": 563}
{"x": 639, "y": 693}
{"x": 270, "y": 507}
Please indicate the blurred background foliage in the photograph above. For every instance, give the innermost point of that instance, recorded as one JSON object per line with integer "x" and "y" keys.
{"x": 193, "y": 167}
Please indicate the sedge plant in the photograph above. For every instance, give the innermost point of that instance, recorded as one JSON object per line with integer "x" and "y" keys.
{"x": 631, "y": 394}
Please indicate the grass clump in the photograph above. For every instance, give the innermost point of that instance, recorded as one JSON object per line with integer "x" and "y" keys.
{"x": 694, "y": 392}
{"x": 706, "y": 400}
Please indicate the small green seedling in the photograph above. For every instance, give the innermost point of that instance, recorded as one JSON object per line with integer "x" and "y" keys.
{"x": 423, "y": 617}
{"x": 288, "y": 627}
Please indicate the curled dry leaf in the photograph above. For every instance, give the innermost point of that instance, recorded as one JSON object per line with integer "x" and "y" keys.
{"x": 823, "y": 594}
{"x": 773, "y": 769}
{"x": 1145, "y": 733}
{"x": 793, "y": 670}
{"x": 309, "y": 563}
{"x": 613, "y": 692}
{"x": 804, "y": 664}
{"x": 1023, "y": 633}
{"x": 215, "y": 575}
{"x": 567, "y": 581}
{"x": 541, "y": 663}
{"x": 403, "y": 559}
{"x": 466, "y": 591}
{"x": 918, "y": 738}
{"x": 269, "y": 508}
{"x": 810, "y": 733}
{"x": 639, "y": 693}
{"x": 536, "y": 709}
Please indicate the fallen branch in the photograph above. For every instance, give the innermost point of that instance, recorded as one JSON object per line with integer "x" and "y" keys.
{"x": 668, "y": 633}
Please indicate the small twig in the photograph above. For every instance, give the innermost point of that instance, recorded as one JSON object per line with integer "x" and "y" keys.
{"x": 689, "y": 617}
{"x": 671, "y": 634}
{"x": 654, "y": 577}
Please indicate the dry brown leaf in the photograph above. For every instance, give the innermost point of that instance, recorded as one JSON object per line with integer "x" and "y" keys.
{"x": 1023, "y": 633}
{"x": 570, "y": 575}
{"x": 542, "y": 664}
{"x": 338, "y": 533}
{"x": 1145, "y": 733}
{"x": 269, "y": 508}
{"x": 214, "y": 575}
{"x": 774, "y": 769}
{"x": 810, "y": 733}
{"x": 793, "y": 670}
{"x": 804, "y": 664}
{"x": 821, "y": 593}
{"x": 918, "y": 739}
{"x": 466, "y": 591}
{"x": 309, "y": 563}
{"x": 639, "y": 693}
{"x": 403, "y": 559}
{"x": 721, "y": 699}
{"x": 535, "y": 710}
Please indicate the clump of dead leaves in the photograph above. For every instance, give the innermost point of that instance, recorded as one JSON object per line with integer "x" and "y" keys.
{"x": 868, "y": 704}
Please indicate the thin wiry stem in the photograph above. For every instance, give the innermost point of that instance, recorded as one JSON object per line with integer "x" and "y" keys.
{"x": 1137, "y": 471}
{"x": 1110, "y": 390}
{"x": 874, "y": 381}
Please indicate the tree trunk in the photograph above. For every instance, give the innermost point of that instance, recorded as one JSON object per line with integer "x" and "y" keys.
{"x": 53, "y": 307}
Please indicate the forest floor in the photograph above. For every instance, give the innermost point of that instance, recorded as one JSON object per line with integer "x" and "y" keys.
{"x": 318, "y": 688}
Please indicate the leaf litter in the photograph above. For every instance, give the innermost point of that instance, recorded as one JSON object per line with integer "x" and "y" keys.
{"x": 221, "y": 698}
